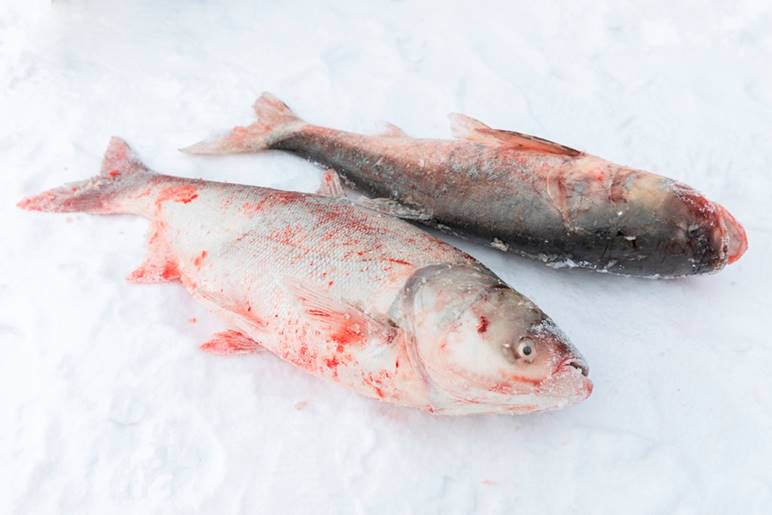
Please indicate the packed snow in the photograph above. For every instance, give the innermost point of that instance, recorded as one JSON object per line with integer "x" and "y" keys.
{"x": 109, "y": 406}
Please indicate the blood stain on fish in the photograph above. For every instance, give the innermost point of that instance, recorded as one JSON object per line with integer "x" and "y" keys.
{"x": 483, "y": 325}
{"x": 198, "y": 260}
{"x": 184, "y": 193}
{"x": 305, "y": 358}
{"x": 348, "y": 333}
{"x": 399, "y": 261}
{"x": 376, "y": 381}
{"x": 171, "y": 271}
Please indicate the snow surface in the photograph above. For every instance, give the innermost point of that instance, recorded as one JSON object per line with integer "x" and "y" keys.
{"x": 108, "y": 406}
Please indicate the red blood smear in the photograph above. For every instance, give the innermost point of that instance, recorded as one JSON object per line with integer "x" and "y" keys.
{"x": 344, "y": 220}
{"x": 507, "y": 387}
{"x": 230, "y": 342}
{"x": 171, "y": 271}
{"x": 348, "y": 333}
{"x": 399, "y": 261}
{"x": 559, "y": 194}
{"x": 274, "y": 199}
{"x": 618, "y": 192}
{"x": 483, "y": 325}
{"x": 285, "y": 235}
{"x": 184, "y": 193}
{"x": 305, "y": 358}
{"x": 376, "y": 382}
{"x": 114, "y": 173}
{"x": 198, "y": 260}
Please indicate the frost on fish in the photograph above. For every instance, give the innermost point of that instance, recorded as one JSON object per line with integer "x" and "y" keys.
{"x": 517, "y": 192}
{"x": 365, "y": 300}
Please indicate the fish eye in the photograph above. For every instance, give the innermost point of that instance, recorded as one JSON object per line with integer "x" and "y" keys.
{"x": 526, "y": 350}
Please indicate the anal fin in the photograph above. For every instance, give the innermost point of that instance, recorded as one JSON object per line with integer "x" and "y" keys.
{"x": 231, "y": 342}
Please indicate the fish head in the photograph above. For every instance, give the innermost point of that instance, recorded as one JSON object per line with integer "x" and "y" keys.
{"x": 483, "y": 347}
{"x": 714, "y": 236}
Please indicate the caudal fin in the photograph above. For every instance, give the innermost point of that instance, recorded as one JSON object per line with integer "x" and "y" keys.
{"x": 122, "y": 171}
{"x": 275, "y": 122}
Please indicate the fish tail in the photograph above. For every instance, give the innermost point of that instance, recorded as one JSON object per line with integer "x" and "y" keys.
{"x": 107, "y": 193}
{"x": 275, "y": 122}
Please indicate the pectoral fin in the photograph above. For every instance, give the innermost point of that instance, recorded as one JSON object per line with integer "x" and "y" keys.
{"x": 331, "y": 185}
{"x": 343, "y": 323}
{"x": 395, "y": 208}
{"x": 231, "y": 342}
{"x": 465, "y": 127}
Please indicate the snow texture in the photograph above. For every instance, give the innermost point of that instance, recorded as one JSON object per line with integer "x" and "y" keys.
{"x": 108, "y": 405}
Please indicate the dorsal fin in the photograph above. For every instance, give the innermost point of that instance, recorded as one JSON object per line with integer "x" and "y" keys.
{"x": 391, "y": 130}
{"x": 466, "y": 127}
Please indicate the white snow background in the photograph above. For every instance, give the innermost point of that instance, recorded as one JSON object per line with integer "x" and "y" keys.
{"x": 108, "y": 406}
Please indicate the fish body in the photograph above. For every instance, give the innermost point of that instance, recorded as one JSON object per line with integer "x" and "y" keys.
{"x": 516, "y": 192}
{"x": 348, "y": 294}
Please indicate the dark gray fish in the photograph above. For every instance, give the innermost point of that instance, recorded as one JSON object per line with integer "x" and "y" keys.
{"x": 519, "y": 193}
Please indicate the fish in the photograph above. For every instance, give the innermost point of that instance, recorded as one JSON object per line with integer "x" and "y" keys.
{"x": 348, "y": 294}
{"x": 518, "y": 193}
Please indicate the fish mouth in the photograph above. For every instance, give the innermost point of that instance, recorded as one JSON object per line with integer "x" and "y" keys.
{"x": 585, "y": 386}
{"x": 577, "y": 364}
{"x": 573, "y": 362}
{"x": 570, "y": 381}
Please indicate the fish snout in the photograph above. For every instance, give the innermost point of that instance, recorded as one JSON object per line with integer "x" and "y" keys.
{"x": 735, "y": 238}
{"x": 568, "y": 357}
{"x": 575, "y": 372}
{"x": 547, "y": 333}
{"x": 712, "y": 235}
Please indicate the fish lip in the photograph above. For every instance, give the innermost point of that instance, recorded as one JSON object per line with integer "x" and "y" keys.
{"x": 574, "y": 362}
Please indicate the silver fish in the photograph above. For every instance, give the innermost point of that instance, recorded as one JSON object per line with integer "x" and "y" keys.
{"x": 345, "y": 293}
